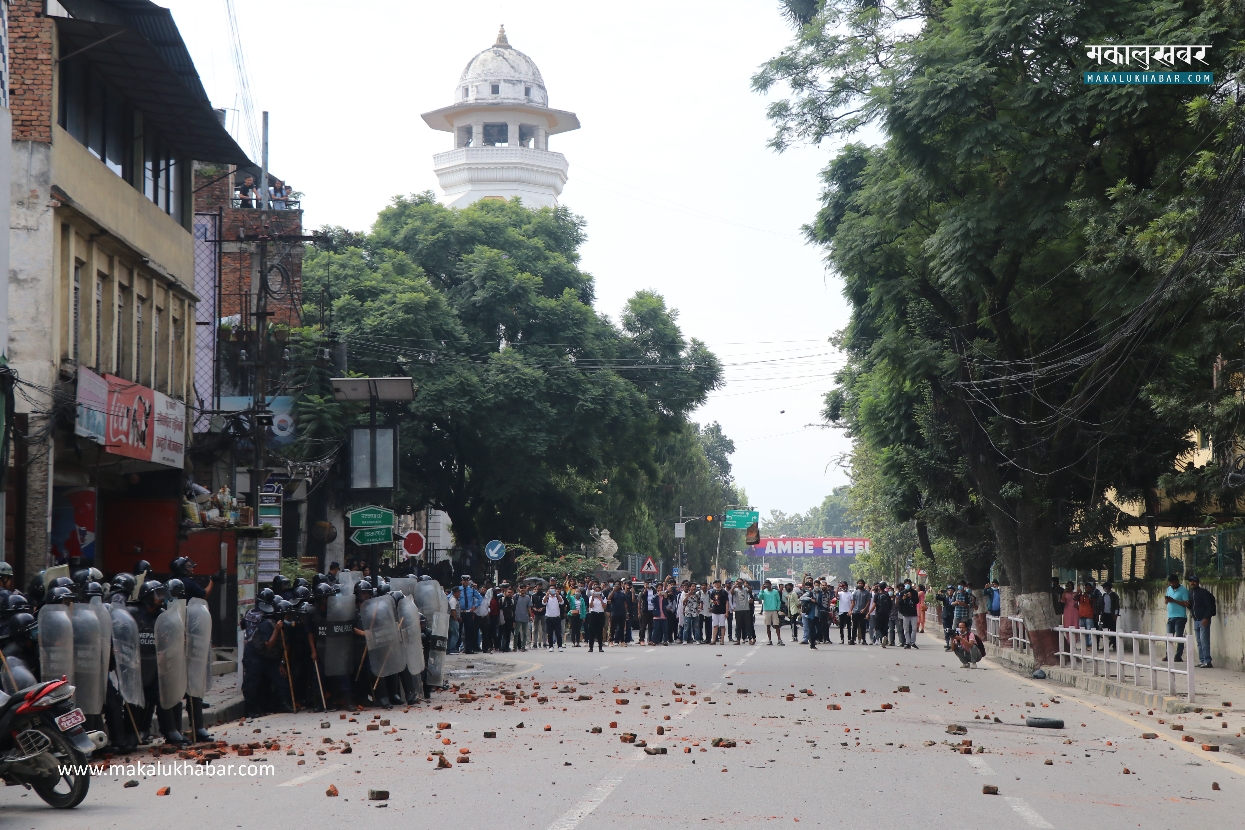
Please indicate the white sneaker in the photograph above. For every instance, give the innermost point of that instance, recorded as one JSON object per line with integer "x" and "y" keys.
{"x": 551, "y": 649}
{"x": 560, "y": 648}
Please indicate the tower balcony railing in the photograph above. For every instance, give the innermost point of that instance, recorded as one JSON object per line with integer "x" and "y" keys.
{"x": 526, "y": 155}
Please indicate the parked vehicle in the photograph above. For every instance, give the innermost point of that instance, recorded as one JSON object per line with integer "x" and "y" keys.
{"x": 43, "y": 746}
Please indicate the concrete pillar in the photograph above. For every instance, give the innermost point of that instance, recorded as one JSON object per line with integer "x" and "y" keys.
{"x": 541, "y": 141}
{"x": 512, "y": 134}
{"x": 38, "y": 502}
{"x": 477, "y": 134}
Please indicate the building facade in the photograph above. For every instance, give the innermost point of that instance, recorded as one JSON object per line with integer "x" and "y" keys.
{"x": 109, "y": 116}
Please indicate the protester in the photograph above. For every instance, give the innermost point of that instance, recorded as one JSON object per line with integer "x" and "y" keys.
{"x": 771, "y": 601}
{"x": 967, "y": 645}
{"x": 1177, "y": 601}
{"x": 1202, "y": 604}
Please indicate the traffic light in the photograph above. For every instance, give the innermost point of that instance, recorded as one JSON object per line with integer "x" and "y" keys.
{"x": 708, "y": 518}
{"x": 752, "y": 536}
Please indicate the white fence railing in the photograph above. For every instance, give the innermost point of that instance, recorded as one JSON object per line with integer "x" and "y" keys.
{"x": 1090, "y": 651}
{"x": 1020, "y": 634}
{"x": 992, "y": 629}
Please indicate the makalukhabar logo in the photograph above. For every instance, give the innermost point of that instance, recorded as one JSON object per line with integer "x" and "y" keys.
{"x": 1166, "y": 55}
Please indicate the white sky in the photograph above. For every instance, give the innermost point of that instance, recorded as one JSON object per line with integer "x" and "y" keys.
{"x": 670, "y": 170}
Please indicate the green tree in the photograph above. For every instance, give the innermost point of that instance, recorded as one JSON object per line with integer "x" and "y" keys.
{"x": 963, "y": 244}
{"x": 531, "y": 406}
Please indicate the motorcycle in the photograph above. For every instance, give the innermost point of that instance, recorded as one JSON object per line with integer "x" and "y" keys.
{"x": 43, "y": 745}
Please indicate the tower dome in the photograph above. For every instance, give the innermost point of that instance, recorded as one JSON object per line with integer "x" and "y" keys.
{"x": 505, "y": 68}
{"x": 501, "y": 122}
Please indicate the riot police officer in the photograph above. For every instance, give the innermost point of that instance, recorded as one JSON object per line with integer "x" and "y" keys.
{"x": 152, "y": 598}
{"x": 262, "y": 679}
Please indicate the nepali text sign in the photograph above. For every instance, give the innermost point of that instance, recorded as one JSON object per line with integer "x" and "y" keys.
{"x": 824, "y": 546}
{"x": 169, "y": 447}
{"x": 1167, "y": 55}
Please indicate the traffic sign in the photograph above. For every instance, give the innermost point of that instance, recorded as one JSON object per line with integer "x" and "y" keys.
{"x": 921, "y": 573}
{"x": 372, "y": 536}
{"x": 740, "y": 519}
{"x": 674, "y": 572}
{"x": 495, "y": 551}
{"x": 649, "y": 566}
{"x": 413, "y": 543}
{"x": 765, "y": 566}
{"x": 372, "y": 516}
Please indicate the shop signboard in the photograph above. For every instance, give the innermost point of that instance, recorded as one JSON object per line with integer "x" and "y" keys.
{"x": 169, "y": 447}
{"x": 92, "y": 405}
{"x": 131, "y": 419}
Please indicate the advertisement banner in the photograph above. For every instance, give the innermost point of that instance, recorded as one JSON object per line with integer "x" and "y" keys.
{"x": 92, "y": 403}
{"x": 131, "y": 419}
{"x": 169, "y": 447}
{"x": 828, "y": 546}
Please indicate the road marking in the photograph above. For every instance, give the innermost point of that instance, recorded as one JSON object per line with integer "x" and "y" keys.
{"x": 649, "y": 650}
{"x": 599, "y": 668}
{"x": 531, "y": 668}
{"x": 625, "y": 659}
{"x": 981, "y": 766}
{"x": 311, "y": 776}
{"x": 572, "y": 817}
{"x": 1030, "y": 815}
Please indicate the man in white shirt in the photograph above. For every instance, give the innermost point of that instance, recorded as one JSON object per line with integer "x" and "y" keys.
{"x": 553, "y": 617}
{"x": 596, "y": 617}
{"x": 845, "y": 609}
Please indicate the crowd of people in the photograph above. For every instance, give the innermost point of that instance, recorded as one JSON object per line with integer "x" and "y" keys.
{"x": 535, "y": 613}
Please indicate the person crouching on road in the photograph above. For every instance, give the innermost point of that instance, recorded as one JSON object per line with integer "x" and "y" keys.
{"x": 967, "y": 646}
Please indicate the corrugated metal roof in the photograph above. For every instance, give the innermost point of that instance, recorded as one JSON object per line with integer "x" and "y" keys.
{"x": 148, "y": 62}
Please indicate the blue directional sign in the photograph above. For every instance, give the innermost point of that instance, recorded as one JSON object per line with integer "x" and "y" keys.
{"x": 495, "y": 551}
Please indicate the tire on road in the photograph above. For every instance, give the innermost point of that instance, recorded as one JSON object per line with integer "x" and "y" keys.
{"x": 1044, "y": 723}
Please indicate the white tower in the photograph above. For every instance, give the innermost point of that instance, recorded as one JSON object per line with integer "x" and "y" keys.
{"x": 501, "y": 123}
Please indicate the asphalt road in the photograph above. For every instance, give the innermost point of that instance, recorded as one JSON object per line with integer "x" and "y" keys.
{"x": 864, "y": 765}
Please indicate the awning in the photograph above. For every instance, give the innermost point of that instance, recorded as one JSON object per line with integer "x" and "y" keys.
{"x": 171, "y": 98}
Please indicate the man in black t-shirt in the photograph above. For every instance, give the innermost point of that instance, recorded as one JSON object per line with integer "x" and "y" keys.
{"x": 718, "y": 599}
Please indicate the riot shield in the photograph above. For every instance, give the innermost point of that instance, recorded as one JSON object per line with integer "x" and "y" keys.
{"x": 129, "y": 664}
{"x": 403, "y": 584}
{"x": 440, "y": 629}
{"x": 105, "y": 635}
{"x": 384, "y": 647}
{"x": 339, "y": 639}
{"x": 171, "y": 658}
{"x": 412, "y": 639}
{"x": 198, "y": 647}
{"x": 347, "y": 580}
{"x": 426, "y": 596}
{"x": 55, "y": 643}
{"x": 88, "y": 680}
{"x": 177, "y": 606}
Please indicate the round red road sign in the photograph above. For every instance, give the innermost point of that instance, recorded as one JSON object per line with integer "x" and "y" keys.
{"x": 413, "y": 543}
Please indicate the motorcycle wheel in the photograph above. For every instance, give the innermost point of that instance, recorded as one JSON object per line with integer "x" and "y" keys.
{"x": 69, "y": 790}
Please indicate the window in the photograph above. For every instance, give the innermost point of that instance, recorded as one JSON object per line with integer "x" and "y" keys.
{"x": 94, "y": 115}
{"x": 75, "y": 335}
{"x": 121, "y": 300}
{"x": 464, "y": 93}
{"x": 138, "y": 339}
{"x": 527, "y": 92}
{"x": 495, "y": 134}
{"x": 497, "y": 89}
{"x": 99, "y": 323}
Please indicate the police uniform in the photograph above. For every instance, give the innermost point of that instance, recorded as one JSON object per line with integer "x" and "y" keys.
{"x": 168, "y": 720}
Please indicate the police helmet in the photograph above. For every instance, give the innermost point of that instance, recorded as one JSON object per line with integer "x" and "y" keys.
{"x": 142, "y": 566}
{"x": 152, "y": 590}
{"x": 94, "y": 589}
{"x": 60, "y": 595}
{"x": 324, "y": 590}
{"x": 176, "y": 588}
{"x": 23, "y": 623}
{"x": 181, "y": 566}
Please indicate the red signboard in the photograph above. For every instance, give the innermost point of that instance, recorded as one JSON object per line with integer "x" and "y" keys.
{"x": 131, "y": 419}
{"x": 829, "y": 546}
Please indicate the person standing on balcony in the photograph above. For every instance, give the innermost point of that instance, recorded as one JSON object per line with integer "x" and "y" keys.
{"x": 1203, "y": 608}
{"x": 246, "y": 193}
{"x": 277, "y": 194}
{"x": 1177, "y": 600}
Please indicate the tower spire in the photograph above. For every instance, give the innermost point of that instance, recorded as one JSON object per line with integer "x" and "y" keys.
{"x": 501, "y": 37}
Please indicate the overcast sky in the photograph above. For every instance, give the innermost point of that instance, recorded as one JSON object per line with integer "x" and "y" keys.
{"x": 670, "y": 170}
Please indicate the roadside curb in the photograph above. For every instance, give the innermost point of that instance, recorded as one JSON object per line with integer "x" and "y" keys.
{"x": 1102, "y": 686}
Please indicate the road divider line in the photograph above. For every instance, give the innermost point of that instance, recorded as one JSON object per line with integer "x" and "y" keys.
{"x": 310, "y": 776}
{"x": 981, "y": 766}
{"x": 1031, "y": 816}
{"x": 572, "y": 817}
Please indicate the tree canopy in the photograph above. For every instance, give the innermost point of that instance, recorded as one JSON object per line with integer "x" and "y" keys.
{"x": 1026, "y": 256}
{"x": 537, "y": 418}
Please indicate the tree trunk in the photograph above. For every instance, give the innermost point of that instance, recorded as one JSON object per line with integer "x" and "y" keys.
{"x": 1040, "y": 621}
